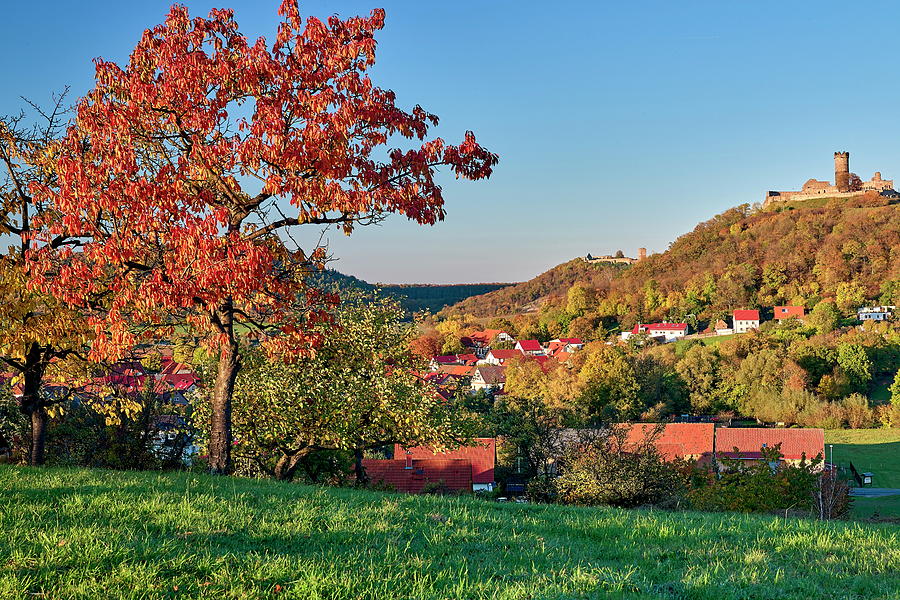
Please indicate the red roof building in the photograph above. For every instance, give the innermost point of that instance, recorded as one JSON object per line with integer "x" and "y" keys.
{"x": 668, "y": 331}
{"x": 532, "y": 347}
{"x": 411, "y": 476}
{"x": 747, "y": 443}
{"x": 789, "y": 312}
{"x": 747, "y": 315}
{"x": 688, "y": 441}
{"x": 498, "y": 357}
{"x": 481, "y": 457}
{"x": 744, "y": 320}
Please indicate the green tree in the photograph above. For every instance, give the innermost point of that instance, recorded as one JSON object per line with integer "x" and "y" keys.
{"x": 849, "y": 295}
{"x": 855, "y": 363}
{"x": 699, "y": 370}
{"x": 824, "y": 318}
{"x": 610, "y": 384}
{"x": 359, "y": 391}
{"x": 895, "y": 390}
{"x": 580, "y": 299}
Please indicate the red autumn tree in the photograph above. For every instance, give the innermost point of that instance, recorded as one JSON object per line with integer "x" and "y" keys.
{"x": 185, "y": 168}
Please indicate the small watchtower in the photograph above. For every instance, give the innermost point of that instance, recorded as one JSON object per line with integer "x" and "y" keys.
{"x": 842, "y": 171}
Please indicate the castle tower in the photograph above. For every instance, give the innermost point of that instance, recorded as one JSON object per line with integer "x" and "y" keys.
{"x": 842, "y": 171}
{"x": 642, "y": 253}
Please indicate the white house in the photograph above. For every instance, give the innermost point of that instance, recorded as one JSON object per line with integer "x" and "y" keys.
{"x": 489, "y": 378}
{"x": 875, "y": 313}
{"x": 668, "y": 331}
{"x": 745, "y": 320}
{"x": 532, "y": 347}
{"x": 498, "y": 357}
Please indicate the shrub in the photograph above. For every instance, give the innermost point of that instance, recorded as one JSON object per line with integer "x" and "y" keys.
{"x": 766, "y": 485}
{"x": 857, "y": 411}
{"x": 609, "y": 470}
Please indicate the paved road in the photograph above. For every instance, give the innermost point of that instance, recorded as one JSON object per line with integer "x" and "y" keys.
{"x": 874, "y": 492}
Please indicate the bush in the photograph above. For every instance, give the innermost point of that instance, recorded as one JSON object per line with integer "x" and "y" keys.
{"x": 610, "y": 470}
{"x": 857, "y": 411}
{"x": 767, "y": 485}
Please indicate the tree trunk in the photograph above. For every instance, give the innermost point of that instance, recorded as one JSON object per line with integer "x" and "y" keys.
{"x": 220, "y": 420}
{"x": 287, "y": 465}
{"x": 362, "y": 478}
{"x": 38, "y": 436}
{"x": 31, "y": 404}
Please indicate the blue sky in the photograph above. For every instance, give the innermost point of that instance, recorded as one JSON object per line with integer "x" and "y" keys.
{"x": 618, "y": 125}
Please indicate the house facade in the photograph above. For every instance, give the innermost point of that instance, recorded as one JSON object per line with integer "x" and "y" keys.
{"x": 668, "y": 332}
{"x": 490, "y": 378}
{"x": 875, "y": 313}
{"x": 745, "y": 320}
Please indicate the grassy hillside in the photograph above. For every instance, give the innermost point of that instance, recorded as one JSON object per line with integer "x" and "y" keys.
{"x": 527, "y": 295}
{"x": 102, "y": 534}
{"x": 413, "y": 297}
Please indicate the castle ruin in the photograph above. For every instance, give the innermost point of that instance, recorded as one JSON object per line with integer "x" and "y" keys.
{"x": 845, "y": 185}
{"x": 617, "y": 259}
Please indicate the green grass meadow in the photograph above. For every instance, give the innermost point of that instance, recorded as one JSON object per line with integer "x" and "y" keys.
{"x": 69, "y": 533}
{"x": 874, "y": 450}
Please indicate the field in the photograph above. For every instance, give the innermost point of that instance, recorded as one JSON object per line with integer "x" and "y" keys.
{"x": 681, "y": 346}
{"x": 70, "y": 533}
{"x": 871, "y": 450}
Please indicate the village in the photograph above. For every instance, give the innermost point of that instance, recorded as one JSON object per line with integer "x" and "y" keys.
{"x": 483, "y": 370}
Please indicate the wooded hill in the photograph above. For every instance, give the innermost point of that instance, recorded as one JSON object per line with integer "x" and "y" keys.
{"x": 846, "y": 250}
{"x": 413, "y": 298}
{"x": 529, "y": 295}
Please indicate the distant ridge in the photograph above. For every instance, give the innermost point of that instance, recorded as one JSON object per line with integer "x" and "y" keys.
{"x": 414, "y": 297}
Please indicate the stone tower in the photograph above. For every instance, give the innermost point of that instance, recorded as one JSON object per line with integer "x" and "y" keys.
{"x": 642, "y": 253}
{"x": 842, "y": 171}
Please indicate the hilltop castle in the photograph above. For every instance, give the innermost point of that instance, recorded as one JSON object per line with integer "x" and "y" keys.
{"x": 846, "y": 184}
{"x": 619, "y": 258}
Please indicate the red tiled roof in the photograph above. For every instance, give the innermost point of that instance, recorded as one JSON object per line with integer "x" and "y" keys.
{"x": 562, "y": 356}
{"x": 787, "y": 312}
{"x": 677, "y": 440}
{"x": 457, "y": 370}
{"x": 749, "y": 441}
{"x": 746, "y": 315}
{"x": 660, "y": 327}
{"x": 571, "y": 340}
{"x": 467, "y": 358}
{"x": 446, "y": 359}
{"x": 492, "y": 374}
{"x": 481, "y": 457}
{"x": 530, "y": 345}
{"x": 454, "y": 474}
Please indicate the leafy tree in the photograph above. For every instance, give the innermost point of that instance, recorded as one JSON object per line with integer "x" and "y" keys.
{"x": 39, "y": 335}
{"x": 699, "y": 370}
{"x": 855, "y": 363}
{"x": 609, "y": 469}
{"x": 359, "y": 391}
{"x": 850, "y": 295}
{"x": 824, "y": 317}
{"x": 580, "y": 299}
{"x": 183, "y": 166}
{"x": 609, "y": 383}
{"x": 895, "y": 390}
{"x": 890, "y": 292}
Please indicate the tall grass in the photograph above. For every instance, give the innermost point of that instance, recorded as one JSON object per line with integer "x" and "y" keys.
{"x": 100, "y": 534}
